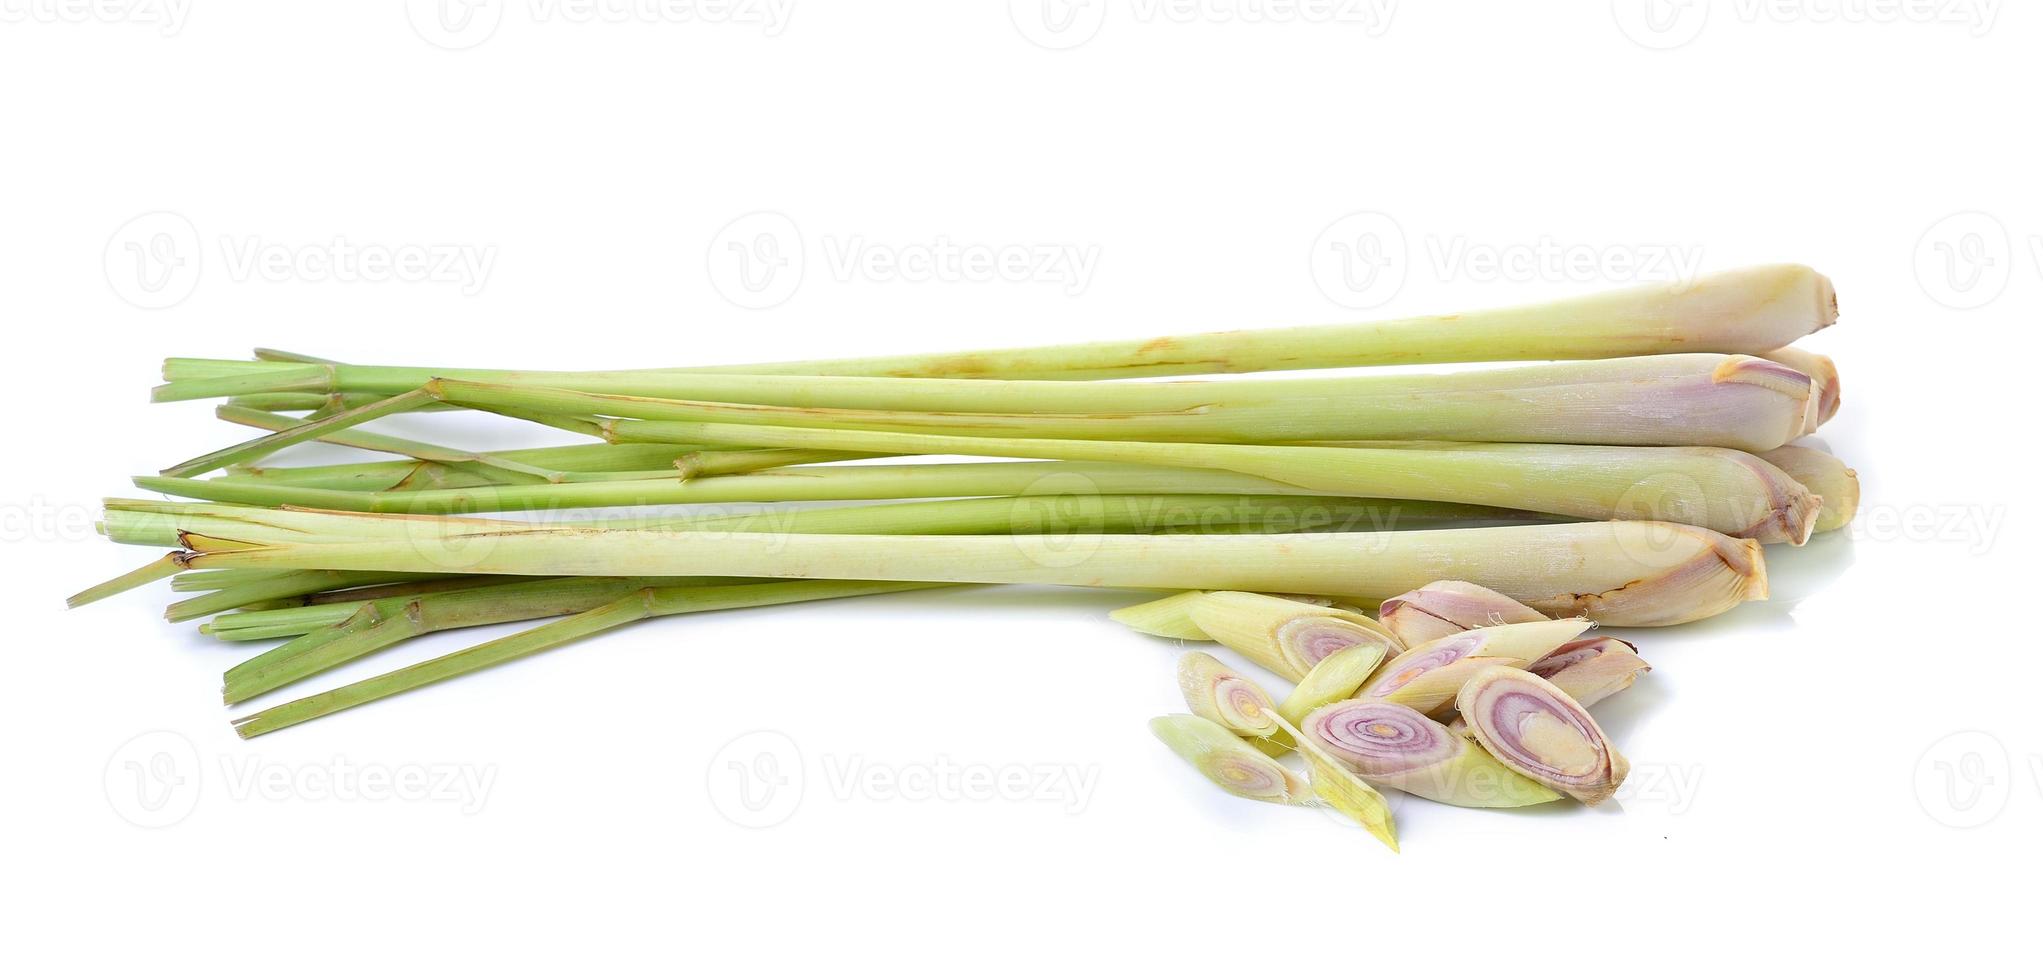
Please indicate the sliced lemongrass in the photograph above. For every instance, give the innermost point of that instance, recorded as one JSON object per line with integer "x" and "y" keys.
{"x": 1285, "y": 636}
{"x": 1677, "y": 399}
{"x": 1621, "y": 573}
{"x": 1396, "y": 746}
{"x": 643, "y": 604}
{"x": 1592, "y": 668}
{"x": 1428, "y": 676}
{"x": 1439, "y": 609}
{"x": 1228, "y": 761}
{"x": 1169, "y": 616}
{"x": 1341, "y": 789}
{"x": 1824, "y": 475}
{"x": 1538, "y": 731}
{"x": 1335, "y": 678}
{"x": 1822, "y": 371}
{"x": 1216, "y": 693}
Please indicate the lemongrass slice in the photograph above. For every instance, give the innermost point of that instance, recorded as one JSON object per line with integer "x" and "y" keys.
{"x": 1822, "y": 372}
{"x": 1592, "y": 668}
{"x": 1335, "y": 678}
{"x": 1283, "y": 635}
{"x": 1826, "y": 476}
{"x": 1226, "y": 698}
{"x": 1427, "y": 677}
{"x": 1445, "y": 608}
{"x": 1171, "y": 616}
{"x": 1396, "y": 746}
{"x": 1346, "y": 792}
{"x": 1230, "y": 763}
{"x": 1541, "y": 733}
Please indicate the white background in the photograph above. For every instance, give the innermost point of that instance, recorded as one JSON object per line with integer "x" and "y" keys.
{"x": 1805, "y": 793}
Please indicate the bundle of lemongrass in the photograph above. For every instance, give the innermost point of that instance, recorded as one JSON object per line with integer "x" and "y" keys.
{"x": 1629, "y": 480}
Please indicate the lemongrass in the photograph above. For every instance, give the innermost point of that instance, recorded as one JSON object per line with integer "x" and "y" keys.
{"x": 1428, "y": 676}
{"x": 1822, "y": 372}
{"x": 1824, "y": 475}
{"x": 1621, "y": 573}
{"x": 642, "y": 604}
{"x": 1395, "y": 745}
{"x": 155, "y": 571}
{"x": 1675, "y": 399}
{"x": 1218, "y": 694}
{"x": 1285, "y": 636}
{"x": 1341, "y": 789}
{"x": 1749, "y": 310}
{"x": 1335, "y": 678}
{"x": 1723, "y": 489}
{"x": 1592, "y": 668}
{"x": 1228, "y": 761}
{"x": 1538, "y": 731}
{"x": 1440, "y": 609}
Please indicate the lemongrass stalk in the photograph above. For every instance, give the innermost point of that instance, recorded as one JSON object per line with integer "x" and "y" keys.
{"x": 1229, "y": 762}
{"x": 384, "y": 623}
{"x": 580, "y": 458}
{"x": 499, "y": 468}
{"x": 327, "y": 609}
{"x": 154, "y": 571}
{"x": 1826, "y": 476}
{"x": 1442, "y": 609}
{"x": 713, "y": 462}
{"x": 1621, "y": 573}
{"x": 1426, "y": 678}
{"x": 1218, "y": 694}
{"x": 1822, "y": 371}
{"x": 643, "y": 604}
{"x": 1538, "y": 731}
{"x": 407, "y": 475}
{"x": 1336, "y": 678}
{"x": 1394, "y": 745}
{"x": 1724, "y": 490}
{"x": 262, "y": 446}
{"x": 814, "y": 483}
{"x": 1741, "y": 311}
{"x": 1592, "y": 668}
{"x": 280, "y": 587}
{"x": 1678, "y": 399}
{"x": 1285, "y": 636}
